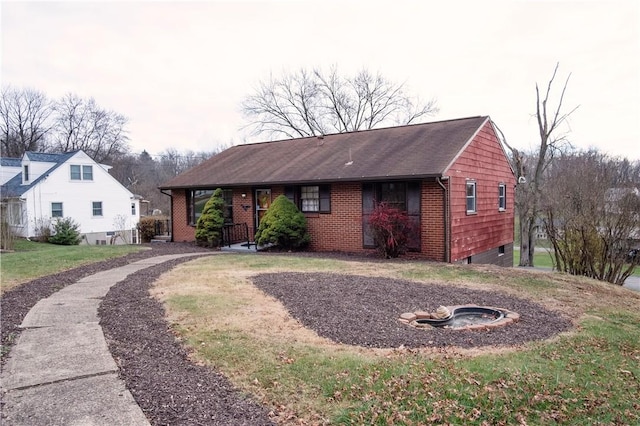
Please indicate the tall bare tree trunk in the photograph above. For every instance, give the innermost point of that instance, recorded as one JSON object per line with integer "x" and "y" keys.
{"x": 529, "y": 189}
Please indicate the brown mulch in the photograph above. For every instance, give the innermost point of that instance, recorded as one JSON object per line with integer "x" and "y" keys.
{"x": 169, "y": 388}
{"x": 364, "y": 311}
{"x": 172, "y": 390}
{"x": 15, "y": 303}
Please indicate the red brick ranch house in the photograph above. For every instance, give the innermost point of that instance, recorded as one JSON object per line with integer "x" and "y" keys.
{"x": 452, "y": 178}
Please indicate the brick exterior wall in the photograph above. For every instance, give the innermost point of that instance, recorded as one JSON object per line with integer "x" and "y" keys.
{"x": 341, "y": 230}
{"x": 432, "y": 221}
{"x": 473, "y": 234}
{"x": 478, "y": 236}
{"x": 181, "y": 230}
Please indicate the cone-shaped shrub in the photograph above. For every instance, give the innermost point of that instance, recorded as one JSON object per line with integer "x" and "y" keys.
{"x": 210, "y": 222}
{"x": 65, "y": 232}
{"x": 283, "y": 225}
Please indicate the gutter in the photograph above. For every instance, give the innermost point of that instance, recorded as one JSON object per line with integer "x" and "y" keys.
{"x": 386, "y": 178}
{"x": 445, "y": 211}
{"x": 170, "y": 209}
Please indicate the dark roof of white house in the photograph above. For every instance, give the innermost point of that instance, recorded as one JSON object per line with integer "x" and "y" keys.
{"x": 14, "y": 187}
{"x": 10, "y": 162}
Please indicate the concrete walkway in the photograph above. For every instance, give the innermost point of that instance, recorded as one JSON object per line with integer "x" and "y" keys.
{"x": 60, "y": 371}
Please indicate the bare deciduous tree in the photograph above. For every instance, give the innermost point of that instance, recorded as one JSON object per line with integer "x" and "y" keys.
{"x": 24, "y": 121}
{"x": 82, "y": 124}
{"x": 143, "y": 173}
{"x": 531, "y": 168}
{"x": 309, "y": 103}
{"x": 592, "y": 223}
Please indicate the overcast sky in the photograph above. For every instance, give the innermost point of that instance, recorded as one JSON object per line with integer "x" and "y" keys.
{"x": 179, "y": 70}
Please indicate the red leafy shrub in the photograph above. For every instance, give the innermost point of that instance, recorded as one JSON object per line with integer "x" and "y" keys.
{"x": 390, "y": 229}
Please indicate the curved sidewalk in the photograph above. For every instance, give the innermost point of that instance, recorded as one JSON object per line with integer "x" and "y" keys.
{"x": 60, "y": 371}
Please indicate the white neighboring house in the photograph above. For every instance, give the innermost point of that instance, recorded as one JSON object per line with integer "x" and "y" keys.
{"x": 40, "y": 187}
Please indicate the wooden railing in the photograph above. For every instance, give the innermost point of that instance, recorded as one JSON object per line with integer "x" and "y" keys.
{"x": 236, "y": 233}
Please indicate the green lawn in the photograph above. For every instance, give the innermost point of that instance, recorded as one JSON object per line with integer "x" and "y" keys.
{"x": 588, "y": 376}
{"x": 30, "y": 259}
{"x": 543, "y": 259}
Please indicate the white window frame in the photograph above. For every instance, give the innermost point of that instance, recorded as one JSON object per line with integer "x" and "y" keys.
{"x": 471, "y": 184}
{"x": 502, "y": 197}
{"x": 61, "y": 209}
{"x": 87, "y": 172}
{"x": 13, "y": 211}
{"x": 310, "y": 199}
{"x": 78, "y": 173}
{"x": 93, "y": 209}
{"x": 82, "y": 172}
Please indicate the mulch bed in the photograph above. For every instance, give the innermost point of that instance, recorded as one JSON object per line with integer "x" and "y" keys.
{"x": 16, "y": 303}
{"x": 364, "y": 311}
{"x": 353, "y": 310}
{"x": 169, "y": 388}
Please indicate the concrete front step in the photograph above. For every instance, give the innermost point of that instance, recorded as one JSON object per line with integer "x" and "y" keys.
{"x": 161, "y": 239}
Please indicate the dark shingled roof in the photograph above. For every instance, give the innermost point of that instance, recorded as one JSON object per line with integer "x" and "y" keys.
{"x": 412, "y": 151}
{"x": 14, "y": 187}
{"x": 10, "y": 162}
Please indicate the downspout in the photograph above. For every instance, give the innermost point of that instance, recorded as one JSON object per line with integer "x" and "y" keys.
{"x": 170, "y": 210}
{"x": 445, "y": 214}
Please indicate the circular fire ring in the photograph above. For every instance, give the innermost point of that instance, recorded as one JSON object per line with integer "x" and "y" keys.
{"x": 464, "y": 317}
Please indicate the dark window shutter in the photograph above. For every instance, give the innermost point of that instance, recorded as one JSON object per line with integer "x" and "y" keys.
{"x": 413, "y": 211}
{"x": 325, "y": 198}
{"x": 368, "y": 204}
{"x": 189, "y": 199}
{"x": 368, "y": 198}
{"x": 413, "y": 198}
{"x": 290, "y": 193}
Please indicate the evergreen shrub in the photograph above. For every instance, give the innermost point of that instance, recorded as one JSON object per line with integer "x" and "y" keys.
{"x": 283, "y": 225}
{"x": 65, "y": 232}
{"x": 210, "y": 222}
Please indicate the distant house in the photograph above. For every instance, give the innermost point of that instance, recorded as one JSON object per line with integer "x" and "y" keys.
{"x": 39, "y": 188}
{"x": 452, "y": 177}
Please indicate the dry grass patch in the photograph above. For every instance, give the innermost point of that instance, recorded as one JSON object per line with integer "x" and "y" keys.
{"x": 306, "y": 379}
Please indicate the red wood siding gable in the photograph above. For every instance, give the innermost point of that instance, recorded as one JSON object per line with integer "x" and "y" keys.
{"x": 483, "y": 161}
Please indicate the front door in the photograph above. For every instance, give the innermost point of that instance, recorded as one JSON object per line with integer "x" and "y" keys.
{"x": 263, "y": 201}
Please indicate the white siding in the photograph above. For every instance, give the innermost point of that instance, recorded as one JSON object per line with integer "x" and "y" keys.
{"x": 36, "y": 168}
{"x": 77, "y": 197}
{"x": 7, "y": 173}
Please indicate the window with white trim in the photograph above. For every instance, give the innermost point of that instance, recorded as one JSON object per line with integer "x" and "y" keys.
{"x": 310, "y": 198}
{"x": 87, "y": 172}
{"x": 502, "y": 197}
{"x": 81, "y": 172}
{"x": 471, "y": 196}
{"x": 75, "y": 172}
{"x": 13, "y": 212}
{"x": 97, "y": 208}
{"x": 56, "y": 210}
